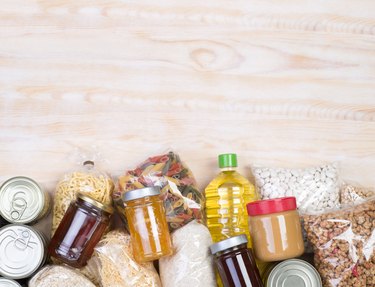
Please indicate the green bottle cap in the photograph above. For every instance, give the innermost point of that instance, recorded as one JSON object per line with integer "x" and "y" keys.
{"x": 227, "y": 160}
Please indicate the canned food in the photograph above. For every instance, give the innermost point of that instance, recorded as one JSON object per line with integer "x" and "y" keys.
{"x": 22, "y": 251}
{"x": 22, "y": 200}
{"x": 8, "y": 283}
{"x": 292, "y": 272}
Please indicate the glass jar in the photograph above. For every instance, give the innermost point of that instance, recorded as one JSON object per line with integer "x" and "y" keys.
{"x": 235, "y": 263}
{"x": 81, "y": 228}
{"x": 147, "y": 223}
{"x": 275, "y": 229}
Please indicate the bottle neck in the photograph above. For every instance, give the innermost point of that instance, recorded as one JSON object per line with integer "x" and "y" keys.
{"x": 229, "y": 168}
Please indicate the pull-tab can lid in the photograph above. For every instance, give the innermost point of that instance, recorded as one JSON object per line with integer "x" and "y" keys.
{"x": 294, "y": 272}
{"x": 22, "y": 200}
{"x": 8, "y": 283}
{"x": 22, "y": 251}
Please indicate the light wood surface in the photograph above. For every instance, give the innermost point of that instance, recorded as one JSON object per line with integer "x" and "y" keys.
{"x": 288, "y": 84}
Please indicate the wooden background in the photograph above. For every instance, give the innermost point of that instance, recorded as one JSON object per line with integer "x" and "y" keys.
{"x": 288, "y": 84}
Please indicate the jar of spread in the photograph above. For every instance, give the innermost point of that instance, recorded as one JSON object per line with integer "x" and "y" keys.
{"x": 292, "y": 272}
{"x": 22, "y": 200}
{"x": 144, "y": 212}
{"x": 275, "y": 229}
{"x": 81, "y": 228}
{"x": 235, "y": 263}
{"x": 22, "y": 251}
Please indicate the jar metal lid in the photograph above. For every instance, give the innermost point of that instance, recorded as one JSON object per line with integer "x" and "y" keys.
{"x": 294, "y": 272}
{"x": 228, "y": 243}
{"x": 22, "y": 200}
{"x": 268, "y": 206}
{"x": 105, "y": 207}
{"x": 22, "y": 251}
{"x": 8, "y": 283}
{"x": 140, "y": 193}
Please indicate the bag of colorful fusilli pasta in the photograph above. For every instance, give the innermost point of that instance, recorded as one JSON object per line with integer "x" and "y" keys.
{"x": 183, "y": 201}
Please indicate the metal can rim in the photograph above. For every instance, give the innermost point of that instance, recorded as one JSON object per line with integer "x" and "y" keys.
{"x": 42, "y": 259}
{"x": 307, "y": 266}
{"x": 10, "y": 281}
{"x": 39, "y": 210}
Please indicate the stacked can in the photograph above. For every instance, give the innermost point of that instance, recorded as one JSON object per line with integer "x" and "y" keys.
{"x": 22, "y": 248}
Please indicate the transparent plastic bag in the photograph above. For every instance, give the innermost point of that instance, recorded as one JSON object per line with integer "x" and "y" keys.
{"x": 183, "y": 201}
{"x": 87, "y": 180}
{"x": 114, "y": 265}
{"x": 57, "y": 276}
{"x": 192, "y": 264}
{"x": 344, "y": 242}
{"x": 315, "y": 188}
{"x": 353, "y": 193}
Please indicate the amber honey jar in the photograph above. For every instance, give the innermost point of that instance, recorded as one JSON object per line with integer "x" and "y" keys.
{"x": 81, "y": 228}
{"x": 147, "y": 224}
{"x": 275, "y": 229}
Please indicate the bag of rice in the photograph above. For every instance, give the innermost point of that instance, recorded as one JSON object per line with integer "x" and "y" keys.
{"x": 192, "y": 264}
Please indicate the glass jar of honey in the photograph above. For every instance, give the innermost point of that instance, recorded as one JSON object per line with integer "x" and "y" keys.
{"x": 81, "y": 228}
{"x": 147, "y": 224}
{"x": 235, "y": 263}
{"x": 275, "y": 229}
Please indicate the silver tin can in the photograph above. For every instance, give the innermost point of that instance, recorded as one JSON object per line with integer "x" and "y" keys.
{"x": 22, "y": 251}
{"x": 293, "y": 272}
{"x": 22, "y": 200}
{"x": 8, "y": 283}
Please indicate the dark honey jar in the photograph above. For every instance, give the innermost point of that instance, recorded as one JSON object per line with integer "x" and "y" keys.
{"x": 236, "y": 263}
{"x": 81, "y": 228}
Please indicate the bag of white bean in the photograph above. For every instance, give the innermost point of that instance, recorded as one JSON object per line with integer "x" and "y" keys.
{"x": 315, "y": 188}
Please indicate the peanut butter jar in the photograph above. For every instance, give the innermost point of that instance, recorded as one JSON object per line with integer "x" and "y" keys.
{"x": 275, "y": 229}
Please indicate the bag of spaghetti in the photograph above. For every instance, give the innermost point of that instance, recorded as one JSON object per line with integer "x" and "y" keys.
{"x": 114, "y": 265}
{"x": 87, "y": 180}
{"x": 182, "y": 199}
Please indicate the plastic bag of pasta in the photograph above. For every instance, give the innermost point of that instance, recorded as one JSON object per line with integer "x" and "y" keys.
{"x": 86, "y": 180}
{"x": 56, "y": 276}
{"x": 183, "y": 201}
{"x": 114, "y": 265}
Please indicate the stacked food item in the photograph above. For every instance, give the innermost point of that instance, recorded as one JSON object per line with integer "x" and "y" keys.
{"x": 235, "y": 233}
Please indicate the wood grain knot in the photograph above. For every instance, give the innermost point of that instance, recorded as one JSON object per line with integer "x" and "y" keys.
{"x": 216, "y": 57}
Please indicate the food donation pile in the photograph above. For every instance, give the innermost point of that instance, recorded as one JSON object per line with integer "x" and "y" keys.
{"x": 235, "y": 233}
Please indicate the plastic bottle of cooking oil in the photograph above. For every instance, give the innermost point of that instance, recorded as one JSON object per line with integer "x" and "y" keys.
{"x": 226, "y": 199}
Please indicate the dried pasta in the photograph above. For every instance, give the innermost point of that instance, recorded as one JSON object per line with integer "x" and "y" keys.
{"x": 183, "y": 201}
{"x": 97, "y": 185}
{"x": 115, "y": 266}
{"x": 56, "y": 276}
